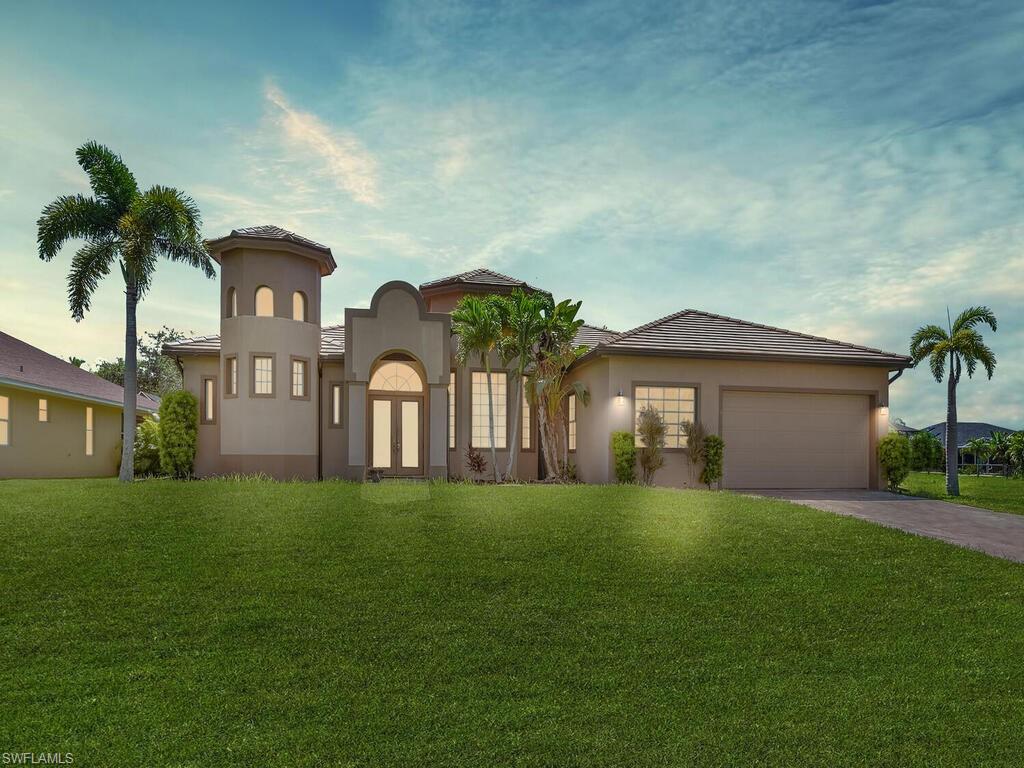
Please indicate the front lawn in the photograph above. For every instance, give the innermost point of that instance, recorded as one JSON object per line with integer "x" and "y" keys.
{"x": 253, "y": 623}
{"x": 1002, "y": 494}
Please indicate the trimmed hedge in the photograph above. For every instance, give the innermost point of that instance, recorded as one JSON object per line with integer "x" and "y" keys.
{"x": 714, "y": 448}
{"x": 179, "y": 430}
{"x": 624, "y": 454}
{"x": 894, "y": 456}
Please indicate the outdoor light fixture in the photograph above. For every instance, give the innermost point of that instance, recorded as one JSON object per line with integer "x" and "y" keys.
{"x": 620, "y": 399}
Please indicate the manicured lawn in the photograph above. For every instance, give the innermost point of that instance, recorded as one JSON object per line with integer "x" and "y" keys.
{"x": 1003, "y": 494}
{"x": 248, "y": 623}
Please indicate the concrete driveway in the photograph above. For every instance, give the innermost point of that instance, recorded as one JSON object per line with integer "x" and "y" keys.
{"x": 997, "y": 533}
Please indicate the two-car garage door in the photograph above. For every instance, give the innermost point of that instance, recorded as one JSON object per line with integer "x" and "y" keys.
{"x": 795, "y": 440}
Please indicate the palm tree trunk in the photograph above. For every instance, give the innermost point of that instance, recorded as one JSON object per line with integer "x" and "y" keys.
{"x": 545, "y": 442}
{"x": 517, "y": 418}
{"x": 490, "y": 418}
{"x": 131, "y": 377}
{"x": 952, "y": 463}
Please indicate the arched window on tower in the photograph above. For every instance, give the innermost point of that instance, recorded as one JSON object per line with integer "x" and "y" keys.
{"x": 299, "y": 306}
{"x": 264, "y": 302}
{"x": 231, "y": 303}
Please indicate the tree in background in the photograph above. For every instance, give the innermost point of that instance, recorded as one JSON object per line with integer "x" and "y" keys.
{"x": 477, "y": 323}
{"x": 999, "y": 446}
{"x": 121, "y": 224}
{"x": 960, "y": 346}
{"x": 925, "y": 452}
{"x": 1015, "y": 452}
{"x": 981, "y": 448}
{"x": 158, "y": 374}
{"x": 76, "y": 361}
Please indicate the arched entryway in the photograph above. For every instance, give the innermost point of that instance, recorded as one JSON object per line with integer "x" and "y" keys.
{"x": 396, "y": 405}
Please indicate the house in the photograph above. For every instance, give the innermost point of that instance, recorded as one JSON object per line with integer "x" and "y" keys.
{"x": 280, "y": 393}
{"x": 57, "y": 420}
{"x": 965, "y": 432}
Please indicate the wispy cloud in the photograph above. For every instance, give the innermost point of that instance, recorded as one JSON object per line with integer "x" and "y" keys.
{"x": 345, "y": 160}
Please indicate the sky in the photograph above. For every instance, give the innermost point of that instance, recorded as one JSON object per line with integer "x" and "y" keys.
{"x": 846, "y": 169}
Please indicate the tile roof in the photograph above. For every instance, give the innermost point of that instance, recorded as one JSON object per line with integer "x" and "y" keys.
{"x": 967, "y": 431}
{"x": 692, "y": 333}
{"x": 590, "y": 336}
{"x": 28, "y": 366}
{"x": 486, "y": 278}
{"x": 271, "y": 232}
{"x": 332, "y": 344}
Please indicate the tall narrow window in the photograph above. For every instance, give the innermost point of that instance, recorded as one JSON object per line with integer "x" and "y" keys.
{"x": 263, "y": 376}
{"x": 451, "y": 410}
{"x": 299, "y": 306}
{"x": 5, "y": 420}
{"x": 208, "y": 406}
{"x": 572, "y": 422}
{"x": 480, "y": 413}
{"x": 88, "y": 431}
{"x": 299, "y": 376}
{"x": 335, "y": 405}
{"x": 231, "y": 377}
{"x": 525, "y": 426}
{"x": 44, "y": 414}
{"x": 264, "y": 302}
{"x": 677, "y": 406}
{"x": 231, "y": 303}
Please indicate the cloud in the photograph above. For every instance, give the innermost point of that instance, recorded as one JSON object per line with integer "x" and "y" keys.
{"x": 346, "y": 161}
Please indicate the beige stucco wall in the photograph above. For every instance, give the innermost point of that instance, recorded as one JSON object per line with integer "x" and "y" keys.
{"x": 334, "y": 439}
{"x": 208, "y": 461}
{"x": 606, "y": 376}
{"x": 56, "y": 448}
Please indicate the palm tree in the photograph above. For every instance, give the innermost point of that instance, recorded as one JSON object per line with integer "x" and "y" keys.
{"x": 1015, "y": 452}
{"x": 980, "y": 448}
{"x": 122, "y": 224}
{"x": 477, "y": 323}
{"x": 999, "y": 448}
{"x": 521, "y": 324}
{"x": 961, "y": 346}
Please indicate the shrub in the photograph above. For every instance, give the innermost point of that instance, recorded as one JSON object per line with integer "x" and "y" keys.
{"x": 624, "y": 453}
{"x": 894, "y": 456}
{"x": 713, "y": 449}
{"x": 179, "y": 429}
{"x": 147, "y": 447}
{"x": 925, "y": 452}
{"x": 476, "y": 462}
{"x": 695, "y": 434}
{"x": 651, "y": 429}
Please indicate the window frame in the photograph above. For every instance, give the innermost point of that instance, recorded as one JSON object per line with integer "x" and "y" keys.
{"x": 273, "y": 375}
{"x": 256, "y": 301}
{"x": 340, "y": 386}
{"x": 571, "y": 422}
{"x": 524, "y": 433}
{"x": 292, "y": 360}
{"x": 205, "y": 392}
{"x": 672, "y": 385}
{"x": 90, "y": 431}
{"x": 230, "y": 380}
{"x": 6, "y": 420}
{"x": 453, "y": 409}
{"x": 500, "y": 372}
{"x": 43, "y": 413}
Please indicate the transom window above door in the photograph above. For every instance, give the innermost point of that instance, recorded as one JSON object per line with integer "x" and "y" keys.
{"x": 396, "y": 376}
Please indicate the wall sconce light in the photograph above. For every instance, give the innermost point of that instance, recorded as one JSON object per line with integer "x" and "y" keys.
{"x": 620, "y": 398}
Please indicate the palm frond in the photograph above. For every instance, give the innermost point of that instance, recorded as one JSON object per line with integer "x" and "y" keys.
{"x": 88, "y": 267}
{"x": 937, "y": 359}
{"x": 109, "y": 177}
{"x": 68, "y": 217}
{"x": 924, "y": 340}
{"x": 971, "y": 316}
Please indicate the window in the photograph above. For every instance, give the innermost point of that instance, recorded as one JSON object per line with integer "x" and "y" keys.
{"x": 451, "y": 410}
{"x": 299, "y": 306}
{"x": 396, "y": 376}
{"x": 572, "y": 422}
{"x": 677, "y": 406}
{"x": 43, "y": 410}
{"x": 300, "y": 369}
{"x": 525, "y": 426}
{"x": 88, "y": 431}
{"x": 231, "y": 376}
{"x": 335, "y": 404}
{"x": 263, "y": 375}
{"x": 208, "y": 402}
{"x": 231, "y": 304}
{"x": 5, "y": 420}
{"x": 481, "y": 436}
{"x": 264, "y": 302}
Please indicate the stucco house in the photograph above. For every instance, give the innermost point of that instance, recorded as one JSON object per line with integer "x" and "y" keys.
{"x": 57, "y": 420}
{"x": 280, "y": 393}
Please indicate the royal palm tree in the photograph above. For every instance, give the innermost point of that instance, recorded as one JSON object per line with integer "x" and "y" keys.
{"x": 522, "y": 321}
{"x": 121, "y": 224}
{"x": 477, "y": 323}
{"x": 960, "y": 346}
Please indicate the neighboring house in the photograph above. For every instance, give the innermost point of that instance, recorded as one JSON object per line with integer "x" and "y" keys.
{"x": 283, "y": 395}
{"x": 899, "y": 425}
{"x": 965, "y": 432}
{"x": 57, "y": 420}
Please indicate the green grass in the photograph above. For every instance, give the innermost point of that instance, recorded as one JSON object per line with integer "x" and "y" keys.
{"x": 1002, "y": 494}
{"x": 253, "y": 623}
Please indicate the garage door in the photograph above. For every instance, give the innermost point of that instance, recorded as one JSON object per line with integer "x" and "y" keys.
{"x": 795, "y": 440}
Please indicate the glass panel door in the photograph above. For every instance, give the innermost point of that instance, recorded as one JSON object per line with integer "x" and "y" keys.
{"x": 381, "y": 434}
{"x": 410, "y": 436}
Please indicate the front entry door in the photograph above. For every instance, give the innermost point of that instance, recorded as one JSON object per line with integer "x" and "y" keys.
{"x": 396, "y": 435}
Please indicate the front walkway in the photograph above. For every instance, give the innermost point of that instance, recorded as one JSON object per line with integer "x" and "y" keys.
{"x": 997, "y": 533}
